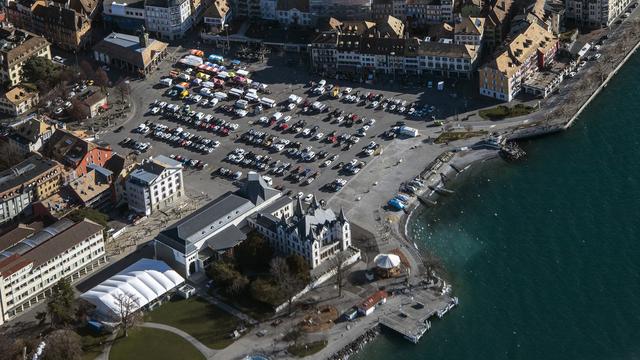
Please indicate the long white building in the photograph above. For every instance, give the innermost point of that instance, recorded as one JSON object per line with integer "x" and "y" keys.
{"x": 155, "y": 185}
{"x": 32, "y": 260}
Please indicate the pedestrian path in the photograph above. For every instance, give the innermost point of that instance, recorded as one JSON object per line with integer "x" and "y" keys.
{"x": 207, "y": 352}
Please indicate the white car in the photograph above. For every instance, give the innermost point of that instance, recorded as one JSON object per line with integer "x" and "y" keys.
{"x": 306, "y": 132}
{"x": 347, "y": 90}
{"x": 286, "y": 118}
{"x": 291, "y": 106}
{"x": 318, "y": 136}
{"x": 300, "y": 195}
{"x": 308, "y": 198}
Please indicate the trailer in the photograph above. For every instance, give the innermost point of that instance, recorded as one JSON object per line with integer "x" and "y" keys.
{"x": 236, "y": 92}
{"x": 268, "y": 102}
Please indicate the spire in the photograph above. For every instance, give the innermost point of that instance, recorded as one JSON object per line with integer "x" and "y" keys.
{"x": 314, "y": 204}
{"x": 341, "y": 216}
{"x": 299, "y": 209}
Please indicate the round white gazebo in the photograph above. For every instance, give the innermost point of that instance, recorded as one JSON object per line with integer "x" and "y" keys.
{"x": 387, "y": 264}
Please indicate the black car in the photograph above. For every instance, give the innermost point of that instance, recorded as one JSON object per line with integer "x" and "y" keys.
{"x": 120, "y": 128}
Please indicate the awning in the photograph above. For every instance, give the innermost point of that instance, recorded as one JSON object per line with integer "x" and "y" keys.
{"x": 105, "y": 106}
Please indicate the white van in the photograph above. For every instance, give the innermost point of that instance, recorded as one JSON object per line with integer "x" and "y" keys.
{"x": 268, "y": 102}
{"x": 236, "y": 92}
{"x": 251, "y": 96}
{"x": 220, "y": 95}
{"x": 242, "y": 104}
{"x": 277, "y": 116}
{"x": 295, "y": 99}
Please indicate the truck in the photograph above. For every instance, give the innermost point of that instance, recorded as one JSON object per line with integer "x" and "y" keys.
{"x": 267, "y": 102}
{"x": 408, "y": 131}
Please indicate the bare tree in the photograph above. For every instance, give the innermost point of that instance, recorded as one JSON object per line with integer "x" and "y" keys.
{"x": 62, "y": 345}
{"x": 123, "y": 88}
{"x": 102, "y": 79}
{"x": 128, "y": 306}
{"x": 76, "y": 111}
{"x": 338, "y": 262}
{"x": 87, "y": 70}
{"x": 288, "y": 283}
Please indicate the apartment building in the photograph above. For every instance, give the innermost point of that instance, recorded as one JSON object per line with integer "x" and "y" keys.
{"x": 33, "y": 179}
{"x": 595, "y": 13}
{"x": 30, "y": 135}
{"x": 315, "y": 233}
{"x": 415, "y": 12}
{"x": 75, "y": 153}
{"x": 16, "y": 47}
{"x": 345, "y": 9}
{"x": 155, "y": 185}
{"x": 529, "y": 52}
{"x": 18, "y": 100}
{"x": 168, "y": 19}
{"x": 127, "y": 16}
{"x": 469, "y": 31}
{"x": 497, "y": 22}
{"x": 369, "y": 49}
{"x": 217, "y": 15}
{"x": 294, "y": 12}
{"x": 32, "y": 261}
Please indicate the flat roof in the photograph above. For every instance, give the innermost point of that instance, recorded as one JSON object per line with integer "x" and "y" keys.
{"x": 25, "y": 171}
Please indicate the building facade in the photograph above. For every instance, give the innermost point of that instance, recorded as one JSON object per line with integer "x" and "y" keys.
{"x": 134, "y": 54}
{"x": 75, "y": 153}
{"x": 155, "y": 185}
{"x": 294, "y": 12}
{"x": 529, "y": 52}
{"x": 317, "y": 234}
{"x": 415, "y": 12}
{"x": 31, "y": 180}
{"x": 168, "y": 19}
{"x": 596, "y": 13}
{"x": 124, "y": 16}
{"x": 16, "y": 47}
{"x": 32, "y": 262}
{"x": 31, "y": 134}
{"x": 212, "y": 232}
{"x": 18, "y": 101}
{"x": 217, "y": 15}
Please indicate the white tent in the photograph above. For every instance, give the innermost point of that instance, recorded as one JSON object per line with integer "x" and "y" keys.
{"x": 146, "y": 280}
{"x": 387, "y": 261}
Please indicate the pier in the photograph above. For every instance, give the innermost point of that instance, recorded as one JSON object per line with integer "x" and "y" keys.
{"x": 408, "y": 313}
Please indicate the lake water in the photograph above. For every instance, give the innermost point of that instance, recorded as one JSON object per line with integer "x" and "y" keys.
{"x": 544, "y": 254}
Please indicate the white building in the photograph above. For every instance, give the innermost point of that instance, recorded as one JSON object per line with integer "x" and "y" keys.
{"x": 417, "y": 12}
{"x": 595, "y": 13}
{"x": 155, "y": 185}
{"x": 168, "y": 19}
{"x": 294, "y": 12}
{"x": 124, "y": 14}
{"x": 153, "y": 281}
{"x": 18, "y": 101}
{"x": 32, "y": 261}
{"x": 316, "y": 234}
{"x": 211, "y": 232}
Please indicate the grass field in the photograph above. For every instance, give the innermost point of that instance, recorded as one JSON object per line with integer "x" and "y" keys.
{"x": 153, "y": 344}
{"x": 92, "y": 345}
{"x": 205, "y": 322}
{"x": 445, "y": 137}
{"x": 503, "y": 112}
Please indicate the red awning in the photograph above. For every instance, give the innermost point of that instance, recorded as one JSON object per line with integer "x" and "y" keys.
{"x": 105, "y": 106}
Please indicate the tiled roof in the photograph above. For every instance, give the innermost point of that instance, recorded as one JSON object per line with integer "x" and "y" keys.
{"x": 127, "y": 48}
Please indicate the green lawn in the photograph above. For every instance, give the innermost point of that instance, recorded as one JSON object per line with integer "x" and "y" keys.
{"x": 302, "y": 350}
{"x": 503, "y": 112}
{"x": 92, "y": 344}
{"x": 206, "y": 322}
{"x": 153, "y": 344}
{"x": 457, "y": 135}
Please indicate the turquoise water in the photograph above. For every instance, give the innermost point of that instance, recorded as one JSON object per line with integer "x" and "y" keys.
{"x": 544, "y": 255}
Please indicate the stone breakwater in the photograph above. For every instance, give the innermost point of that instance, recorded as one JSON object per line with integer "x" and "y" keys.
{"x": 356, "y": 345}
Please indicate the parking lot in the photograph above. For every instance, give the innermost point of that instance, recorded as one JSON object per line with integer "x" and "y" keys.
{"x": 302, "y": 148}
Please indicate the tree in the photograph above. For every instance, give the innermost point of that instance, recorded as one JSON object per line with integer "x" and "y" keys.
{"x": 40, "y": 70}
{"x": 338, "y": 261}
{"x": 229, "y": 280}
{"x": 123, "y": 88}
{"x": 87, "y": 70}
{"x": 77, "y": 110}
{"x": 265, "y": 291}
{"x": 102, "y": 79}
{"x": 60, "y": 306}
{"x": 9, "y": 348}
{"x": 288, "y": 283}
{"x": 299, "y": 267}
{"x": 254, "y": 253}
{"x": 62, "y": 345}
{"x": 127, "y": 307}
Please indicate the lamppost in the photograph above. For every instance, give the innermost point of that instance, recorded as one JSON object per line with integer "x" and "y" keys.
{"x": 226, "y": 28}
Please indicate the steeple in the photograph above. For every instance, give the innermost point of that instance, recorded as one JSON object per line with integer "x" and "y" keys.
{"x": 341, "y": 216}
{"x": 299, "y": 209}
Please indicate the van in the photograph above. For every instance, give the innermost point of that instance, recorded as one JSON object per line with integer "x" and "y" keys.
{"x": 242, "y": 104}
{"x": 220, "y": 95}
{"x": 251, "y": 96}
{"x": 267, "y": 102}
{"x": 277, "y": 116}
{"x": 236, "y": 92}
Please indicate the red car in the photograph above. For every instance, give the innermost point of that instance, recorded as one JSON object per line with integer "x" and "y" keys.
{"x": 332, "y": 139}
{"x": 283, "y": 126}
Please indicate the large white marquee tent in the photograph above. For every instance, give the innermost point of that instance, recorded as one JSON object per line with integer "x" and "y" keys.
{"x": 146, "y": 280}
